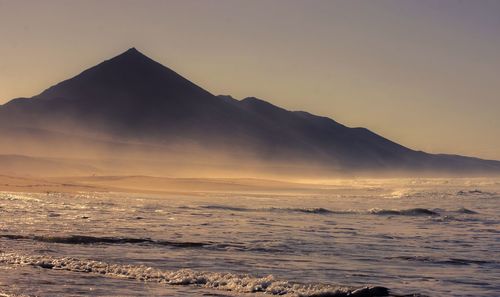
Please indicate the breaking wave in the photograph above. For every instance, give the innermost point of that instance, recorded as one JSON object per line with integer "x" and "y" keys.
{"x": 5, "y": 294}
{"x": 240, "y": 283}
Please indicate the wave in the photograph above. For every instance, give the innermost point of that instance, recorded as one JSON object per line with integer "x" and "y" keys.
{"x": 17, "y": 197}
{"x": 450, "y": 261}
{"x": 324, "y": 211}
{"x": 225, "y": 207}
{"x": 88, "y": 240}
{"x": 466, "y": 211}
{"x": 5, "y": 294}
{"x": 475, "y": 192}
{"x": 316, "y": 210}
{"x": 239, "y": 283}
{"x": 404, "y": 212}
{"x": 81, "y": 239}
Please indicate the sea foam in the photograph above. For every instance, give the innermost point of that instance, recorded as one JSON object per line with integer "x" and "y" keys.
{"x": 240, "y": 283}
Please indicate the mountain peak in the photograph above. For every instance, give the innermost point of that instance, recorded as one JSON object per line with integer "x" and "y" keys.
{"x": 132, "y": 54}
{"x": 127, "y": 77}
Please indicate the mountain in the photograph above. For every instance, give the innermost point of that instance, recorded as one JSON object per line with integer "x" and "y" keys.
{"x": 131, "y": 98}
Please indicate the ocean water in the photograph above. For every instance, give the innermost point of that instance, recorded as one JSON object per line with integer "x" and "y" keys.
{"x": 411, "y": 237}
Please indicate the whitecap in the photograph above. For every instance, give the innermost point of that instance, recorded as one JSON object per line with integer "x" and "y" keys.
{"x": 240, "y": 283}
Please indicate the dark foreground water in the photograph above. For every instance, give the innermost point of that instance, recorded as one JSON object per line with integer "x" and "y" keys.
{"x": 431, "y": 237}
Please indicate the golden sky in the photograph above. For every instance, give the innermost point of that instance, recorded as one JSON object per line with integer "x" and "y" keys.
{"x": 423, "y": 73}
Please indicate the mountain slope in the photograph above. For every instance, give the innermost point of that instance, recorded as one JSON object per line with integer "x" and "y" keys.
{"x": 133, "y": 98}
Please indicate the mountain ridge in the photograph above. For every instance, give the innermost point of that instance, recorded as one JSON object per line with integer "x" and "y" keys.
{"x": 131, "y": 96}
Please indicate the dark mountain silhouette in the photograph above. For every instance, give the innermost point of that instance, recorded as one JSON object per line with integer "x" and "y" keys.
{"x": 131, "y": 97}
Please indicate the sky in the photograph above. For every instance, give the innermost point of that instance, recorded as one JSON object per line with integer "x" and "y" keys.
{"x": 425, "y": 74}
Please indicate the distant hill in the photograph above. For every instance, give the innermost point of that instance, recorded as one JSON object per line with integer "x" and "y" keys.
{"x": 133, "y": 99}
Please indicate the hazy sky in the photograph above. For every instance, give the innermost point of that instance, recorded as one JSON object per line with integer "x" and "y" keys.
{"x": 423, "y": 73}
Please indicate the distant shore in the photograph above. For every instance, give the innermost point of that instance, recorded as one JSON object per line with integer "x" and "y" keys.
{"x": 150, "y": 184}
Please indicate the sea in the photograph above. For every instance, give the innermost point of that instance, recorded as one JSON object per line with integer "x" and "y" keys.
{"x": 362, "y": 237}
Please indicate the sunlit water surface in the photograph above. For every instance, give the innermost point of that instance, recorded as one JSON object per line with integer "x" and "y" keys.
{"x": 431, "y": 237}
